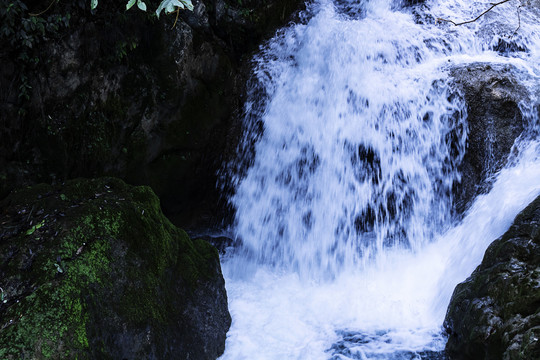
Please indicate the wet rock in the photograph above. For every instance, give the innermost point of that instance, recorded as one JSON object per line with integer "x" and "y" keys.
{"x": 93, "y": 270}
{"x": 412, "y": 2}
{"x": 494, "y": 313}
{"x": 506, "y": 46}
{"x": 493, "y": 95}
{"x": 221, "y": 243}
{"x": 351, "y": 341}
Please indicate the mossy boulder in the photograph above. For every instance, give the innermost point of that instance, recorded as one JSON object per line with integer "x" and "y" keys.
{"x": 93, "y": 270}
{"x": 495, "y": 313}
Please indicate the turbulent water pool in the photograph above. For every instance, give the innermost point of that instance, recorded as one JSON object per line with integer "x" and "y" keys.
{"x": 346, "y": 247}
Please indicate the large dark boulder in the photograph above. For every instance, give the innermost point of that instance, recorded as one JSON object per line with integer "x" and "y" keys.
{"x": 494, "y": 118}
{"x": 112, "y": 92}
{"x": 93, "y": 270}
{"x": 495, "y": 313}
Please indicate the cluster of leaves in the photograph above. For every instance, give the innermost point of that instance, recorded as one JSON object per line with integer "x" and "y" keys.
{"x": 21, "y": 32}
{"x": 169, "y": 6}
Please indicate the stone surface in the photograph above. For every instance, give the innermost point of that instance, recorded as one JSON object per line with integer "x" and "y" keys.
{"x": 494, "y": 118}
{"x": 93, "y": 270}
{"x": 495, "y": 313}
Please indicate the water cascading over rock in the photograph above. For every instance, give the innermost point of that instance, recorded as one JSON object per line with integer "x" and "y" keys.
{"x": 349, "y": 239}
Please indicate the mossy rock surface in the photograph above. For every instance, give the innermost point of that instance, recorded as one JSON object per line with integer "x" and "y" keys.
{"x": 495, "y": 313}
{"x": 93, "y": 270}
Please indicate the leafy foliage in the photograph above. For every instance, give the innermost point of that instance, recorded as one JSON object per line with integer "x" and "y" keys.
{"x": 168, "y": 5}
{"x": 20, "y": 35}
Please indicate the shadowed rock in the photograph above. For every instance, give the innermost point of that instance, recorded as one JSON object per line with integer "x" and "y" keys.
{"x": 494, "y": 313}
{"x": 493, "y": 95}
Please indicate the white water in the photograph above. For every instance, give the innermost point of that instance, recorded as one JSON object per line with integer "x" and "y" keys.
{"x": 347, "y": 247}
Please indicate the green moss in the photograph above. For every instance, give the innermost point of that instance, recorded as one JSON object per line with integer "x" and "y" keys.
{"x": 92, "y": 245}
{"x": 163, "y": 246}
{"x": 51, "y": 321}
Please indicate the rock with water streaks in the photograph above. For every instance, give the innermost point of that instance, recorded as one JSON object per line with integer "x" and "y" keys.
{"x": 93, "y": 270}
{"x": 493, "y": 95}
{"x": 495, "y": 313}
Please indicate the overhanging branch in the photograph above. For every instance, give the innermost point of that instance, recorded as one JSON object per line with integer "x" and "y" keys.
{"x": 493, "y": 5}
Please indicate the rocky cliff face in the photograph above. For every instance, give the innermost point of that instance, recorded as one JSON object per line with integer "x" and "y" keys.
{"x": 93, "y": 270}
{"x": 494, "y": 313}
{"x": 123, "y": 93}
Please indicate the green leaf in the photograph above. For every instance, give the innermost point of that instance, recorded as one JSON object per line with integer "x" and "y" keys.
{"x": 35, "y": 227}
{"x": 189, "y": 4}
{"x": 93, "y": 4}
{"x": 59, "y": 268}
{"x": 130, "y": 4}
{"x": 141, "y": 5}
{"x": 171, "y": 5}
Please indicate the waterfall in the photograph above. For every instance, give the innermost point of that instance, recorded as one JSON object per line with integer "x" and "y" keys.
{"x": 346, "y": 244}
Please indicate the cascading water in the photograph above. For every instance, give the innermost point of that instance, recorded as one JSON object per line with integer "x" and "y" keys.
{"x": 347, "y": 247}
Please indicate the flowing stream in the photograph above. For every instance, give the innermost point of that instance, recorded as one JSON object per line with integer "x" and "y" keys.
{"x": 346, "y": 245}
